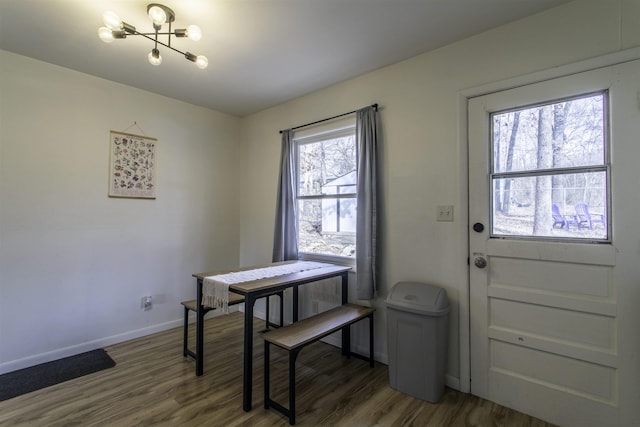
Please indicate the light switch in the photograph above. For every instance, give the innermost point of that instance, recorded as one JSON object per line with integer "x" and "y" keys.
{"x": 445, "y": 213}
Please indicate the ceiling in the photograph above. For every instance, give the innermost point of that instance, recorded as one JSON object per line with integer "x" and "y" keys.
{"x": 261, "y": 52}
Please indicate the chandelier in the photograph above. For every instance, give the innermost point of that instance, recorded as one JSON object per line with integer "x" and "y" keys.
{"x": 159, "y": 14}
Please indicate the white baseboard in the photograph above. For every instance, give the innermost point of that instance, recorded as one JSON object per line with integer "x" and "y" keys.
{"x": 49, "y": 356}
{"x": 336, "y": 341}
{"x": 452, "y": 382}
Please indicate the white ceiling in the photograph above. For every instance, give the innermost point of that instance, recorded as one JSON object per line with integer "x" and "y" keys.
{"x": 261, "y": 52}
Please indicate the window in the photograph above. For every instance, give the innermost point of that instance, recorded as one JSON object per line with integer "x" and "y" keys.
{"x": 550, "y": 170}
{"x": 326, "y": 176}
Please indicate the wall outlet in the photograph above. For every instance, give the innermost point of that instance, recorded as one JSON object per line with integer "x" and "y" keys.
{"x": 146, "y": 303}
{"x": 445, "y": 213}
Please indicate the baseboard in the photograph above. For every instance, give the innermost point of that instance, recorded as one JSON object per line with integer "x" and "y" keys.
{"x": 452, "y": 382}
{"x": 49, "y": 356}
{"x": 336, "y": 341}
{"x": 37, "y": 359}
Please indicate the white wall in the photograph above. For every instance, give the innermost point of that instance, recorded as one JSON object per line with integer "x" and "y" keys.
{"x": 423, "y": 158}
{"x": 75, "y": 263}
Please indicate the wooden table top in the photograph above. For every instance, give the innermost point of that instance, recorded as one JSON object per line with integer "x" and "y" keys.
{"x": 285, "y": 279}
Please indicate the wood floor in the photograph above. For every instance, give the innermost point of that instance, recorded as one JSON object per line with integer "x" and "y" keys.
{"x": 152, "y": 384}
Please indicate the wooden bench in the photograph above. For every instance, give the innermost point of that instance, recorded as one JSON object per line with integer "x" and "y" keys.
{"x": 296, "y": 336}
{"x": 233, "y": 300}
{"x": 193, "y": 306}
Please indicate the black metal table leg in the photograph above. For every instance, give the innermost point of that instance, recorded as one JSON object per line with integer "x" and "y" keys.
{"x": 199, "y": 331}
{"x": 267, "y": 376}
{"x": 345, "y": 288}
{"x": 267, "y": 299}
{"x": 371, "y": 362}
{"x": 248, "y": 352}
{"x": 281, "y": 294}
{"x": 346, "y": 332}
{"x": 295, "y": 304}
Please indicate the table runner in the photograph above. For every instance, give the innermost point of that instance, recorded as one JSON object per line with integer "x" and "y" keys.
{"x": 215, "y": 289}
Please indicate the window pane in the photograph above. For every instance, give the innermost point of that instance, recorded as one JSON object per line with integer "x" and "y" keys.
{"x": 565, "y": 205}
{"x": 339, "y": 215}
{"x": 565, "y": 134}
{"x": 327, "y": 226}
{"x": 327, "y": 167}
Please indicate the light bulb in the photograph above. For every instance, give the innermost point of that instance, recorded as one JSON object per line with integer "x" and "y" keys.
{"x": 154, "y": 57}
{"x": 202, "y": 62}
{"x": 194, "y": 32}
{"x": 157, "y": 15}
{"x": 105, "y": 34}
{"x": 111, "y": 20}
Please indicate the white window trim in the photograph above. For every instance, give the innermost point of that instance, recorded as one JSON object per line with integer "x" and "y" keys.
{"x": 333, "y": 259}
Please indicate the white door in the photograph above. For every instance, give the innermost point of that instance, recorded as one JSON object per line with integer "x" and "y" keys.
{"x": 547, "y": 293}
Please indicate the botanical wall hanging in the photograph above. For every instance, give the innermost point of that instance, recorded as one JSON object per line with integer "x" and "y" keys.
{"x": 132, "y": 170}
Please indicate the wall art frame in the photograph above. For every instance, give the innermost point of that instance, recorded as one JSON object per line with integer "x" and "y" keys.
{"x": 132, "y": 166}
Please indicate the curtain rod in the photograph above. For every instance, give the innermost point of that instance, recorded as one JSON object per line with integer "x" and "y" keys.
{"x": 375, "y": 106}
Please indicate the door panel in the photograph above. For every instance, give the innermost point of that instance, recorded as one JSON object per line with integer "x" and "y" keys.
{"x": 576, "y": 377}
{"x": 544, "y": 313}
{"x": 573, "y": 328}
{"x": 558, "y": 277}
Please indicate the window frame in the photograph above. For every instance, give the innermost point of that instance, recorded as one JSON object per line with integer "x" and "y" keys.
{"x": 343, "y": 129}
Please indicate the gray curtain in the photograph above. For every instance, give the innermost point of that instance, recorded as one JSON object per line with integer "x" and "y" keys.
{"x": 285, "y": 239}
{"x": 367, "y": 224}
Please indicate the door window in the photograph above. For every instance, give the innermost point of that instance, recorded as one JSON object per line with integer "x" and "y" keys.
{"x": 550, "y": 170}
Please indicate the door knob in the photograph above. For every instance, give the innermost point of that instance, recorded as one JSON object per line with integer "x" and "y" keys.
{"x": 478, "y": 227}
{"x": 480, "y": 262}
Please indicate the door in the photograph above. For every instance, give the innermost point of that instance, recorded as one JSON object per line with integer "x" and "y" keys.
{"x": 545, "y": 301}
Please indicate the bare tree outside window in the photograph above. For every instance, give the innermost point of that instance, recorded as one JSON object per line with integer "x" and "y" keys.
{"x": 550, "y": 170}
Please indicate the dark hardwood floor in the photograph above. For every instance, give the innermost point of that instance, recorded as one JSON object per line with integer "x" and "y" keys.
{"x": 152, "y": 384}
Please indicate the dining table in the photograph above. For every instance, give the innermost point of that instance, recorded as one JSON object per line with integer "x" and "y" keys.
{"x": 253, "y": 290}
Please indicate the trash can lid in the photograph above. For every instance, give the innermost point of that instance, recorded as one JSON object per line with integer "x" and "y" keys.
{"x": 420, "y": 298}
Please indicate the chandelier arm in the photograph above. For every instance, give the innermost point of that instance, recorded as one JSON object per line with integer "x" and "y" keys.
{"x": 159, "y": 42}
{"x": 171, "y": 47}
{"x": 137, "y": 33}
{"x": 146, "y": 35}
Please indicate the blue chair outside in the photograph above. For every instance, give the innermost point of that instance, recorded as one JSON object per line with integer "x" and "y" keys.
{"x": 586, "y": 219}
{"x": 562, "y": 220}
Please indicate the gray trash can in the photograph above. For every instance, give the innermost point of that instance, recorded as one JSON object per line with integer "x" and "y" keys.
{"x": 417, "y": 336}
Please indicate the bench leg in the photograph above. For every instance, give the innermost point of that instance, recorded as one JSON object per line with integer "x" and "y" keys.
{"x": 267, "y": 375}
{"x": 185, "y": 344}
{"x": 371, "y": 340}
{"x": 269, "y": 323}
{"x": 268, "y": 403}
{"x": 293, "y": 355}
{"x": 346, "y": 341}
